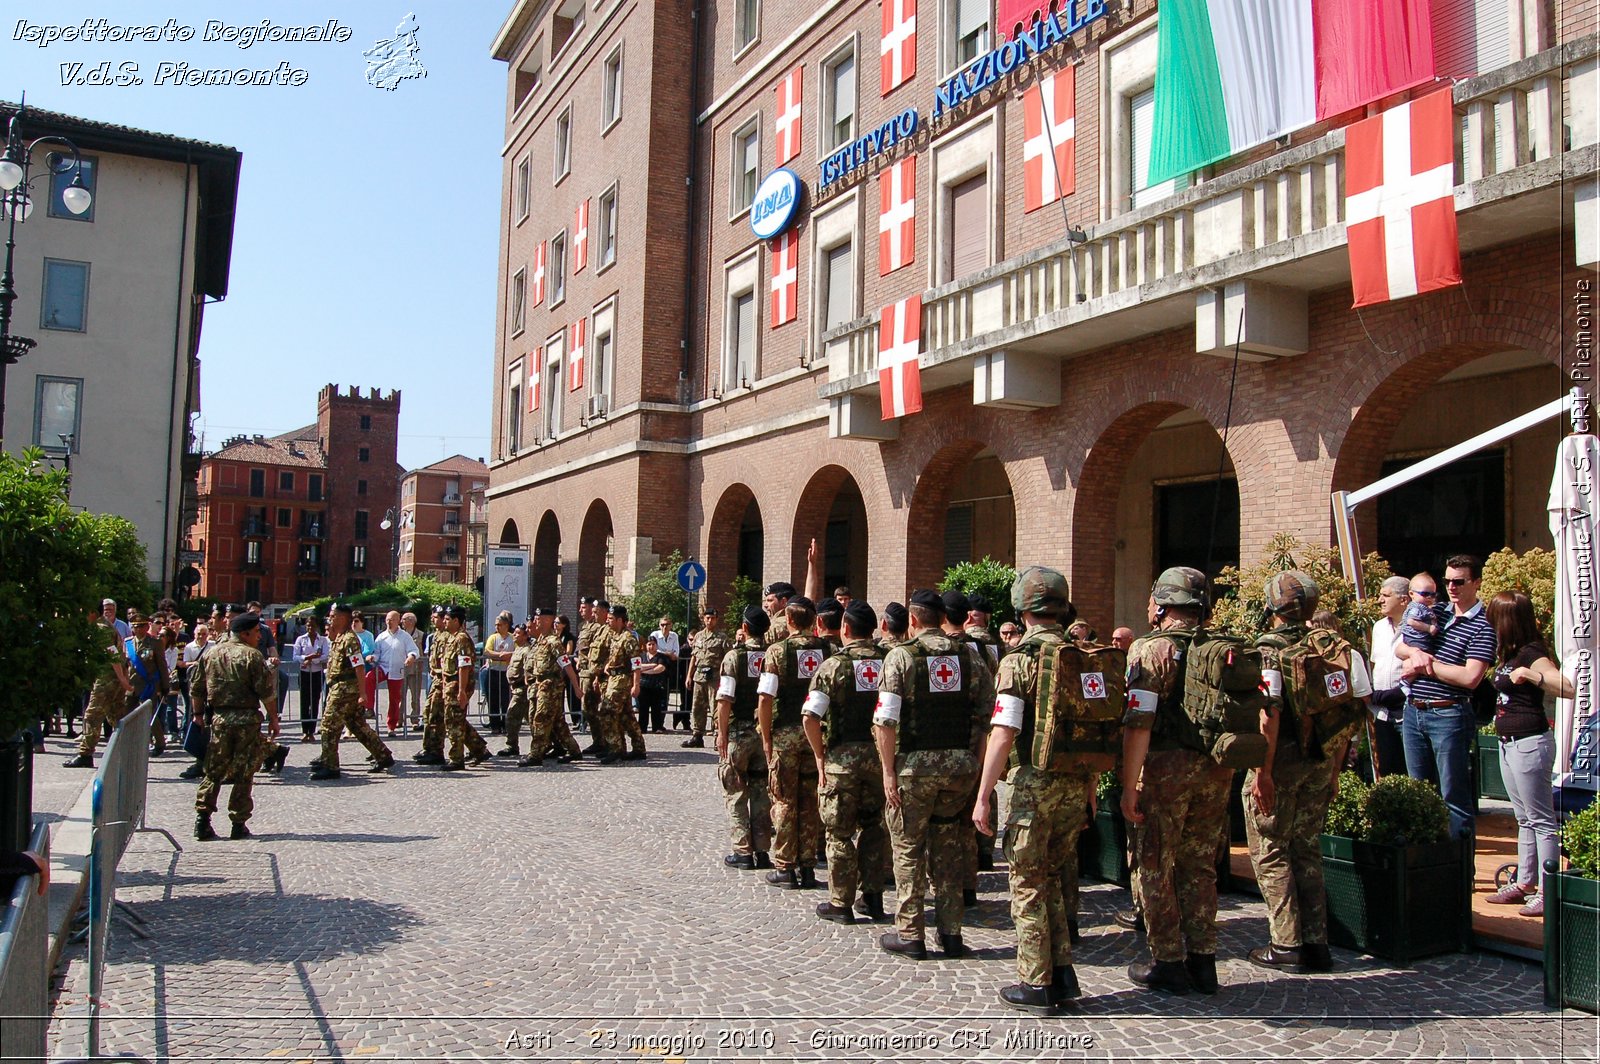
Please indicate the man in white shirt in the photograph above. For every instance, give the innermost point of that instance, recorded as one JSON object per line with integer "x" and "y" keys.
{"x": 191, "y": 654}
{"x": 396, "y": 652}
{"x": 1388, "y": 696}
{"x": 414, "y": 676}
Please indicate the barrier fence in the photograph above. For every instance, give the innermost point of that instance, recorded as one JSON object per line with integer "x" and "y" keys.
{"x": 24, "y": 981}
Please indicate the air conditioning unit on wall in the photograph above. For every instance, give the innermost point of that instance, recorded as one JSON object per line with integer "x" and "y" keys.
{"x": 598, "y": 405}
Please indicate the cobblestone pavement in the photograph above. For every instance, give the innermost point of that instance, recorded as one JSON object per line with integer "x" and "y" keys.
{"x": 583, "y": 913}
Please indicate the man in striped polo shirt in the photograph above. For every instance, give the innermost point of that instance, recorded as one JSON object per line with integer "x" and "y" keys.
{"x": 1438, "y": 714}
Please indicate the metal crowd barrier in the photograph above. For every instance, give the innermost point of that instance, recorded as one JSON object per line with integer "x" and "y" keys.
{"x": 24, "y": 982}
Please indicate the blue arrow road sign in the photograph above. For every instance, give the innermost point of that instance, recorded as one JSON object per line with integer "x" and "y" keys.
{"x": 691, "y": 576}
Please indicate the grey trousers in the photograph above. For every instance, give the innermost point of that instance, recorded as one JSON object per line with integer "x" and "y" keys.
{"x": 1525, "y": 767}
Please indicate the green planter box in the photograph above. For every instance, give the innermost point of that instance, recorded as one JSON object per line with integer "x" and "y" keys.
{"x": 1490, "y": 783}
{"x": 1103, "y": 845}
{"x": 1572, "y": 941}
{"x": 1398, "y": 903}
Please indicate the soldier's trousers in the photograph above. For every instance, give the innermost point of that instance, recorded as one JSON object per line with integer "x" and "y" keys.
{"x": 594, "y": 711}
{"x": 550, "y": 720}
{"x": 928, "y": 842}
{"x": 1185, "y": 802}
{"x": 744, "y": 784}
{"x": 705, "y": 697}
{"x": 517, "y": 715}
{"x": 1286, "y": 850}
{"x": 344, "y": 710}
{"x": 232, "y": 756}
{"x": 852, "y": 801}
{"x": 792, "y": 783}
{"x": 617, "y": 720}
{"x": 459, "y": 734}
{"x": 102, "y": 714}
{"x": 1041, "y": 835}
{"x": 433, "y": 720}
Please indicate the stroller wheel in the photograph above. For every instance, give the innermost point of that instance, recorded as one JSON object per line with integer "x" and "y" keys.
{"x": 1506, "y": 873}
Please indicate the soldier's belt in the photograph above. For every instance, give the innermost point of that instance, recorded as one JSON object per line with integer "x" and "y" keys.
{"x": 233, "y": 709}
{"x": 618, "y": 672}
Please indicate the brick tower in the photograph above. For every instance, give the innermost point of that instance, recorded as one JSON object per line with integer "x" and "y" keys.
{"x": 360, "y": 435}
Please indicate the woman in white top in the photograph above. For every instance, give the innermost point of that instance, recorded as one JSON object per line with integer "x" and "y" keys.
{"x": 497, "y": 649}
{"x": 311, "y": 652}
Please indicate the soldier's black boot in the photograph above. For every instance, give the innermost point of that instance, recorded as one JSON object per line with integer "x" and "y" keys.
{"x": 952, "y": 946}
{"x": 986, "y": 859}
{"x": 969, "y": 898}
{"x": 787, "y": 879}
{"x": 1072, "y": 931}
{"x": 1281, "y": 958}
{"x": 808, "y": 879}
{"x": 838, "y": 914}
{"x": 203, "y": 829}
{"x": 80, "y": 761}
{"x": 383, "y": 764}
{"x": 1132, "y": 919}
{"x": 743, "y": 861}
{"x": 428, "y": 758}
{"x": 1315, "y": 957}
{"x": 530, "y": 762}
{"x": 511, "y": 750}
{"x": 915, "y": 948}
{"x": 323, "y": 772}
{"x": 239, "y": 831}
{"x": 1064, "y": 984}
{"x": 1026, "y": 997}
{"x": 871, "y": 906}
{"x": 763, "y": 860}
{"x": 454, "y": 766}
{"x": 1202, "y": 969}
{"x": 278, "y": 758}
{"x": 193, "y": 772}
{"x": 694, "y": 742}
{"x": 1160, "y": 975}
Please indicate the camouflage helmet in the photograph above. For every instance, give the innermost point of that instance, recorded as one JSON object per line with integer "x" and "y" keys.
{"x": 1292, "y": 595}
{"x": 1180, "y": 586}
{"x": 1039, "y": 590}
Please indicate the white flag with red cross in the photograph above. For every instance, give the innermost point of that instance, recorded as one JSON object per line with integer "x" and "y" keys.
{"x": 899, "y": 345}
{"x": 897, "y": 56}
{"x": 785, "y": 278}
{"x": 580, "y": 236}
{"x": 536, "y": 294}
{"x": 786, "y": 126}
{"x": 897, "y": 215}
{"x": 1049, "y": 131}
{"x": 535, "y": 360}
{"x": 577, "y": 339}
{"x": 1400, "y": 209}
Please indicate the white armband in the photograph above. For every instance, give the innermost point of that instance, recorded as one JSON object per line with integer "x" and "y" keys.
{"x": 888, "y": 711}
{"x": 637, "y": 664}
{"x": 1008, "y": 712}
{"x": 463, "y": 661}
{"x": 816, "y": 704}
{"x": 1140, "y": 701}
{"x": 768, "y": 685}
{"x": 726, "y": 686}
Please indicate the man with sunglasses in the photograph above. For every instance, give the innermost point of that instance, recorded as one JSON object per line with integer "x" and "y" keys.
{"x": 1438, "y": 712}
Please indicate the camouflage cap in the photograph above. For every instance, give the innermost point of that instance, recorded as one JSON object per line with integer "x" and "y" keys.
{"x": 1292, "y": 594}
{"x": 1039, "y": 590}
{"x": 1180, "y": 586}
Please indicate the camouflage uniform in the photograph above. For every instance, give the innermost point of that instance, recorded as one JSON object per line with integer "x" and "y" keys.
{"x": 105, "y": 697}
{"x": 230, "y": 682}
{"x": 546, "y": 671}
{"x": 779, "y": 630}
{"x": 1047, "y": 814}
{"x": 594, "y": 704}
{"x": 154, "y": 661}
{"x": 463, "y": 739}
{"x": 986, "y": 646}
{"x": 621, "y": 658}
{"x": 1185, "y": 804}
{"x": 518, "y": 675}
{"x": 852, "y": 798}
{"x": 588, "y": 688}
{"x": 433, "y": 719}
{"x": 744, "y": 772}
{"x": 344, "y": 709}
{"x": 709, "y": 647}
{"x": 792, "y": 773}
{"x": 931, "y": 830}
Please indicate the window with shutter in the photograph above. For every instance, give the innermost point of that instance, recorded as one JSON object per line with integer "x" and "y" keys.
{"x": 968, "y": 235}
{"x": 841, "y": 82}
{"x": 744, "y": 332}
{"x": 972, "y": 29}
{"x": 840, "y": 293}
{"x": 1470, "y": 36}
{"x": 1141, "y": 120}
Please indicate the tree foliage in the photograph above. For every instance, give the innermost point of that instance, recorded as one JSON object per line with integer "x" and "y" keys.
{"x": 1240, "y": 601}
{"x": 742, "y": 593}
{"x": 416, "y": 594}
{"x": 122, "y": 559}
{"x": 989, "y": 578}
{"x": 1533, "y": 573}
{"x": 656, "y": 594}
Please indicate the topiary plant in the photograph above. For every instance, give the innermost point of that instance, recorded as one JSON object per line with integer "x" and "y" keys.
{"x": 1238, "y": 606}
{"x": 1581, "y": 840}
{"x": 1401, "y": 811}
{"x": 1347, "y": 813}
{"x": 989, "y": 578}
{"x": 1533, "y": 573}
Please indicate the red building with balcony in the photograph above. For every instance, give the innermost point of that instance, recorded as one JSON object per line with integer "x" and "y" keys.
{"x": 288, "y": 518}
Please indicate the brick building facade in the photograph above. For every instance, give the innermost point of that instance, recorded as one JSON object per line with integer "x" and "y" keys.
{"x": 443, "y": 520}
{"x": 289, "y": 518}
{"x": 1077, "y": 355}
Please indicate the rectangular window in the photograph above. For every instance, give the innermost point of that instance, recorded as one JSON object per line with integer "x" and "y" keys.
{"x": 969, "y": 28}
{"x": 558, "y": 269}
{"x": 285, "y": 480}
{"x": 742, "y": 340}
{"x": 519, "y": 300}
{"x": 601, "y": 355}
{"x": 608, "y": 226}
{"x": 839, "y": 98}
{"x": 514, "y": 421}
{"x": 746, "y": 166}
{"x": 746, "y": 24}
{"x": 252, "y": 585}
{"x": 258, "y": 483}
{"x": 314, "y": 487}
{"x": 565, "y": 26}
{"x": 611, "y": 90}
{"x": 57, "y": 413}
{"x": 285, "y": 517}
{"x": 366, "y": 422}
{"x": 252, "y": 552}
{"x": 361, "y": 487}
{"x": 361, "y": 524}
{"x": 88, "y": 167}
{"x": 839, "y": 288}
{"x": 1141, "y": 121}
{"x": 358, "y": 557}
{"x": 564, "y": 144}
{"x": 66, "y": 295}
{"x": 967, "y": 234}
{"x": 550, "y": 381}
{"x": 363, "y": 454}
{"x": 1469, "y": 37}
{"x": 530, "y": 73}
{"x": 524, "y": 187}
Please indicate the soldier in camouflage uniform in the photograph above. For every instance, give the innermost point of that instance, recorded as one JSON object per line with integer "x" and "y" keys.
{"x": 620, "y": 667}
{"x": 709, "y": 646}
{"x": 991, "y": 650}
{"x": 1177, "y": 796}
{"x": 786, "y": 674}
{"x": 589, "y": 629}
{"x": 775, "y": 600}
{"x": 830, "y": 616}
{"x": 548, "y": 671}
{"x": 432, "y": 752}
{"x": 458, "y": 659}
{"x": 843, "y": 695}
{"x": 517, "y": 677}
{"x": 896, "y": 623}
{"x": 1047, "y": 803}
{"x": 1286, "y": 801}
{"x": 932, "y": 693}
{"x": 344, "y": 708}
{"x": 594, "y": 703}
{"x": 149, "y": 671}
{"x": 230, "y": 682}
{"x": 741, "y": 763}
{"x": 107, "y": 696}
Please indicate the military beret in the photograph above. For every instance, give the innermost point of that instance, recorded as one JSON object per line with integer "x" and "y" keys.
{"x": 955, "y": 606}
{"x": 977, "y": 603}
{"x": 234, "y": 607}
{"x": 438, "y": 609}
{"x": 540, "y": 611}
{"x": 802, "y": 602}
{"x": 601, "y": 604}
{"x": 457, "y": 612}
{"x": 756, "y": 619}
{"x": 244, "y": 622}
{"x": 927, "y": 599}
{"x": 860, "y": 616}
{"x": 781, "y": 589}
{"x": 830, "y": 607}
{"x": 620, "y": 612}
{"x": 138, "y": 617}
{"x": 895, "y": 615}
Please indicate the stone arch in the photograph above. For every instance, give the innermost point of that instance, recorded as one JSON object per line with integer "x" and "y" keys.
{"x": 508, "y": 533}
{"x": 927, "y": 520}
{"x": 735, "y": 543}
{"x": 833, "y": 511}
{"x": 546, "y": 571}
{"x": 595, "y": 565}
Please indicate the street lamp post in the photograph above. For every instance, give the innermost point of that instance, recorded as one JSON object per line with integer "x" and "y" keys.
{"x": 389, "y": 523}
{"x": 17, "y": 203}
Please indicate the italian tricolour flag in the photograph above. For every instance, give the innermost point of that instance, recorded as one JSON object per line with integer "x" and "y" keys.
{"x": 1231, "y": 74}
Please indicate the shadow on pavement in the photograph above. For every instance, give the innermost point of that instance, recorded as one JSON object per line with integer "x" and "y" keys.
{"x": 263, "y": 927}
{"x": 290, "y": 836}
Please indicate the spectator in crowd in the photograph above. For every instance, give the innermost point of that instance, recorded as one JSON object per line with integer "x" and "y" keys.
{"x": 1439, "y": 722}
{"x": 569, "y": 648}
{"x": 369, "y": 655}
{"x": 669, "y": 646}
{"x": 497, "y": 651}
{"x": 166, "y": 717}
{"x": 1423, "y": 617}
{"x": 1328, "y": 621}
{"x": 1523, "y": 676}
{"x": 655, "y": 679}
{"x": 1082, "y": 633}
{"x": 1388, "y": 693}
{"x": 311, "y": 651}
{"x": 191, "y": 654}
{"x": 108, "y": 609}
{"x": 1122, "y": 638}
{"x": 842, "y": 596}
{"x": 1010, "y": 634}
{"x": 415, "y": 674}
{"x": 397, "y": 656}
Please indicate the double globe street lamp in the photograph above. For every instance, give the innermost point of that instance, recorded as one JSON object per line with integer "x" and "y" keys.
{"x": 16, "y": 202}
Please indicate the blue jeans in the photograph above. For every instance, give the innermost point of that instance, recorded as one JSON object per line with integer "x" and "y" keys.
{"x": 1436, "y": 750}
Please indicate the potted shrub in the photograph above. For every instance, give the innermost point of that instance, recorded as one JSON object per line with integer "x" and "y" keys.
{"x": 1103, "y": 845}
{"x": 1398, "y": 885}
{"x": 1572, "y": 918}
{"x": 1490, "y": 783}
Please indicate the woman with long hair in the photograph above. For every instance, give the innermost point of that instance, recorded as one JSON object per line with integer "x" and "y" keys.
{"x": 497, "y": 649}
{"x": 569, "y": 647}
{"x": 1524, "y": 674}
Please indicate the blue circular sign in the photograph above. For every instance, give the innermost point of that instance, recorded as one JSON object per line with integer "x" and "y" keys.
{"x": 775, "y": 204}
{"x": 691, "y": 575}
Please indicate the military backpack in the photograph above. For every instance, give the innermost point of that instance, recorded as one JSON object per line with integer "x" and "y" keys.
{"x": 1077, "y": 720}
{"x": 1317, "y": 690}
{"x": 1222, "y": 699}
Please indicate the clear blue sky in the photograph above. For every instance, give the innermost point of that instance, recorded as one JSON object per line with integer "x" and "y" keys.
{"x": 364, "y": 251}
